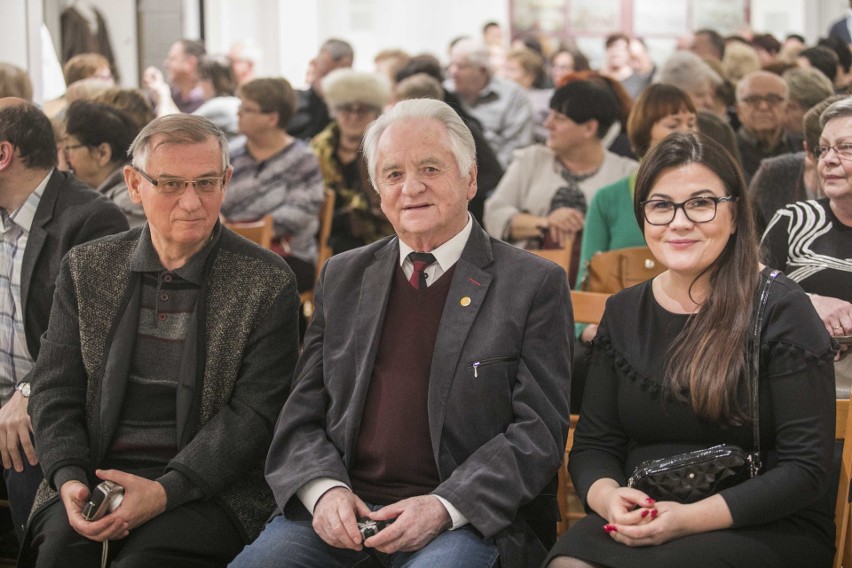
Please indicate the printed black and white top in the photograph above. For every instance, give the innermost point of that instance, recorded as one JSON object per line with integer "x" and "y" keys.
{"x": 809, "y": 244}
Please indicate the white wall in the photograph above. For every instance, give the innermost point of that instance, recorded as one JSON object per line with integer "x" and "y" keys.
{"x": 289, "y": 31}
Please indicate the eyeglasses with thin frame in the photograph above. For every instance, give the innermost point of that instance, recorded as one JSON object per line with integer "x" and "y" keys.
{"x": 697, "y": 209}
{"x": 359, "y": 110}
{"x": 245, "y": 109}
{"x": 67, "y": 147}
{"x": 772, "y": 100}
{"x": 176, "y": 186}
{"x": 843, "y": 150}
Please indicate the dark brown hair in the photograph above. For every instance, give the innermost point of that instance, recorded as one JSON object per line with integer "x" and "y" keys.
{"x": 710, "y": 358}
{"x": 272, "y": 94}
{"x": 656, "y": 102}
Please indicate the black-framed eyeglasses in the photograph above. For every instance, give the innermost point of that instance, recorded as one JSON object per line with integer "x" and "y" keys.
{"x": 176, "y": 186}
{"x": 841, "y": 150}
{"x": 246, "y": 110}
{"x": 697, "y": 209}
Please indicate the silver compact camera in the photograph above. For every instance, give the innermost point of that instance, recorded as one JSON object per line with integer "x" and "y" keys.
{"x": 105, "y": 499}
{"x": 369, "y": 527}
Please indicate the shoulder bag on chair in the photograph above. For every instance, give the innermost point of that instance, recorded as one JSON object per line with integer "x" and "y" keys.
{"x": 612, "y": 271}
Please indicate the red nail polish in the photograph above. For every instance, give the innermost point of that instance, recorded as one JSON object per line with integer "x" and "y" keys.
{"x": 653, "y": 513}
{"x": 645, "y": 513}
{"x": 649, "y": 501}
{"x": 608, "y": 528}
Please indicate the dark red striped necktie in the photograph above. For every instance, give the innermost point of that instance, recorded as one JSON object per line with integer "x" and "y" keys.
{"x": 420, "y": 260}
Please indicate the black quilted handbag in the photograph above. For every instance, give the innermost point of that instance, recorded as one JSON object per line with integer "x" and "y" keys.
{"x": 693, "y": 476}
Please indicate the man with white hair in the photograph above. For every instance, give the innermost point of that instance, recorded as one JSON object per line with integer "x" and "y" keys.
{"x": 501, "y": 106}
{"x": 244, "y": 56}
{"x": 430, "y": 401}
{"x": 762, "y": 109}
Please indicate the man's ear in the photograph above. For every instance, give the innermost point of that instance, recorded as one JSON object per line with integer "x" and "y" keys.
{"x": 7, "y": 152}
{"x": 132, "y": 179}
{"x": 590, "y": 128}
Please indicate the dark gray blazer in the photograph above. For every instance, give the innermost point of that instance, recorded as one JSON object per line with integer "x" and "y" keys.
{"x": 247, "y": 342}
{"x": 68, "y": 214}
{"x": 498, "y": 438}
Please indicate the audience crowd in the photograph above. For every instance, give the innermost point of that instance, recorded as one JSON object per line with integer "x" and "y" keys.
{"x": 430, "y": 401}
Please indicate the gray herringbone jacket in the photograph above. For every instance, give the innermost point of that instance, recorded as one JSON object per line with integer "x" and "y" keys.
{"x": 247, "y": 338}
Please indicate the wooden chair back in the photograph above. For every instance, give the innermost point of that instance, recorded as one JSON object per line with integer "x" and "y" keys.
{"x": 561, "y": 256}
{"x": 324, "y": 252}
{"x": 842, "y": 526}
{"x": 588, "y": 308}
{"x": 326, "y": 215}
{"x": 259, "y": 231}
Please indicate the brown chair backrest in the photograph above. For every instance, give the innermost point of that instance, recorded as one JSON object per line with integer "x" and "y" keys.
{"x": 560, "y": 256}
{"x": 259, "y": 232}
{"x": 588, "y": 308}
{"x": 326, "y": 215}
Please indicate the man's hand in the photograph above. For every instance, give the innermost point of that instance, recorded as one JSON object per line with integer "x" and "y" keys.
{"x": 336, "y": 518}
{"x": 155, "y": 84}
{"x": 15, "y": 429}
{"x": 143, "y": 499}
{"x": 74, "y": 495}
{"x": 418, "y": 521}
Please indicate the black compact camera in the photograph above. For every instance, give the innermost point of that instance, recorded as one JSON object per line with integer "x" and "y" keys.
{"x": 105, "y": 498}
{"x": 369, "y": 527}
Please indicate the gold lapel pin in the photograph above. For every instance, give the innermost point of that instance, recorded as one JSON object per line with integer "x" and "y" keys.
{"x": 465, "y": 301}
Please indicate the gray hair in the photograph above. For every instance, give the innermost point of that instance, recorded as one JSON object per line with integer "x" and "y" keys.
{"x": 807, "y": 86}
{"x": 248, "y": 50}
{"x": 461, "y": 140}
{"x": 745, "y": 83}
{"x": 177, "y": 129}
{"x": 475, "y": 53}
{"x": 419, "y": 86}
{"x": 687, "y": 71}
{"x": 338, "y": 49}
{"x": 840, "y": 109}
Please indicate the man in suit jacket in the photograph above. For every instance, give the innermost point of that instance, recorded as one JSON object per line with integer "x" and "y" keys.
{"x": 43, "y": 213}
{"x": 168, "y": 357}
{"x": 431, "y": 395}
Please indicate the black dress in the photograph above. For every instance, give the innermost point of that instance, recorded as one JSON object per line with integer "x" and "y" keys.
{"x": 781, "y": 518}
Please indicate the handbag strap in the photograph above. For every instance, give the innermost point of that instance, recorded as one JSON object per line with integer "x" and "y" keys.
{"x": 755, "y": 369}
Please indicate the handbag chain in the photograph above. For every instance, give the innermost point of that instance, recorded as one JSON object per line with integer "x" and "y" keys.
{"x": 754, "y": 458}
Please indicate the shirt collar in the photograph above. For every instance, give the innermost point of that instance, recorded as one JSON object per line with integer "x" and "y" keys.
{"x": 146, "y": 259}
{"x": 448, "y": 253}
{"x": 23, "y": 216}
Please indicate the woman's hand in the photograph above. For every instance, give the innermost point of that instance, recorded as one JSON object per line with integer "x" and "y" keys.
{"x": 589, "y": 333}
{"x": 563, "y": 223}
{"x": 620, "y": 506}
{"x": 671, "y": 520}
{"x": 836, "y": 314}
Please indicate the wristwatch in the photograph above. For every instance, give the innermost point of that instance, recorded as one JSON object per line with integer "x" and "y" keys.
{"x": 24, "y": 389}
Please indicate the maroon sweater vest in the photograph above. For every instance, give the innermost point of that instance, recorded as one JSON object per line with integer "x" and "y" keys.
{"x": 393, "y": 456}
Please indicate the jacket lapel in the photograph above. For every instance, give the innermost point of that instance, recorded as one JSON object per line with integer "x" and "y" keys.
{"x": 369, "y": 317}
{"x": 468, "y": 290}
{"x": 38, "y": 235}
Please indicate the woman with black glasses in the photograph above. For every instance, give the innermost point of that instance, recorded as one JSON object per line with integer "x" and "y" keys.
{"x": 669, "y": 373}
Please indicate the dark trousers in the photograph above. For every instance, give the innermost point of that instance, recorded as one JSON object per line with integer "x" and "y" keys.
{"x": 22, "y": 487}
{"x": 194, "y": 535}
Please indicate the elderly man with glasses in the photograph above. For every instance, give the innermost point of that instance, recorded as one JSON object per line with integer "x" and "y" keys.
{"x": 762, "y": 109}
{"x": 169, "y": 355}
